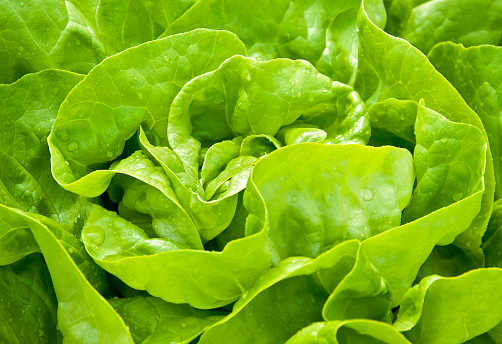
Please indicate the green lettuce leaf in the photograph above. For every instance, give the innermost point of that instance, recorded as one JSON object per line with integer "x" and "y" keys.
{"x": 134, "y": 86}
{"x": 470, "y": 308}
{"x": 76, "y": 35}
{"x": 152, "y": 320}
{"x": 161, "y": 266}
{"x": 390, "y": 67}
{"x": 367, "y": 188}
{"x": 285, "y": 299}
{"x": 321, "y": 32}
{"x": 475, "y": 72}
{"x": 83, "y": 314}
{"x": 244, "y": 96}
{"x": 345, "y": 332}
{"x": 27, "y": 303}
{"x": 450, "y": 161}
{"x": 424, "y": 23}
{"x": 28, "y": 109}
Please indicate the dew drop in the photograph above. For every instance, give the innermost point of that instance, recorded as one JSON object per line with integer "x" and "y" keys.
{"x": 183, "y": 325}
{"x": 457, "y": 196}
{"x": 167, "y": 59}
{"x": 55, "y": 90}
{"x": 248, "y": 78}
{"x": 72, "y": 146}
{"x": 22, "y": 4}
{"x": 443, "y": 140}
{"x": 311, "y": 97}
{"x": 40, "y": 332}
{"x": 109, "y": 154}
{"x": 97, "y": 236}
{"x": 324, "y": 90}
{"x": 279, "y": 73}
{"x": 21, "y": 49}
{"x": 294, "y": 199}
{"x": 70, "y": 250}
{"x": 140, "y": 96}
{"x": 129, "y": 233}
{"x": 77, "y": 42}
{"x": 39, "y": 309}
{"x": 366, "y": 194}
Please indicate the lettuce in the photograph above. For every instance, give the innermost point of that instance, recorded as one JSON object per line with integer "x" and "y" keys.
{"x": 264, "y": 172}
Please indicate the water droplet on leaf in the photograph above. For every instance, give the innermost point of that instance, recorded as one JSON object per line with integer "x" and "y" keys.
{"x": 96, "y": 235}
{"x": 366, "y": 194}
{"x": 63, "y": 135}
{"x": 457, "y": 196}
{"x": 72, "y": 146}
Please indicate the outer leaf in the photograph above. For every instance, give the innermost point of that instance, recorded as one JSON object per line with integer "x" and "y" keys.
{"x": 202, "y": 279}
{"x": 27, "y": 303}
{"x": 57, "y": 36}
{"x": 121, "y": 25}
{"x": 76, "y": 35}
{"x": 345, "y": 332}
{"x": 77, "y": 319}
{"x": 126, "y": 89}
{"x": 470, "y": 308}
{"x": 266, "y": 313}
{"x": 364, "y": 191}
{"x": 475, "y": 73}
{"x": 153, "y": 320}
{"x": 16, "y": 240}
{"x": 388, "y": 263}
{"x": 28, "y": 108}
{"x": 424, "y": 23}
{"x": 390, "y": 67}
{"x": 450, "y": 162}
{"x": 321, "y": 32}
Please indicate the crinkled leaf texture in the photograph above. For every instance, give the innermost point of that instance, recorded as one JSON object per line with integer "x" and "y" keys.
{"x": 390, "y": 67}
{"x": 134, "y": 86}
{"x": 475, "y": 73}
{"x": 321, "y": 32}
{"x": 76, "y": 35}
